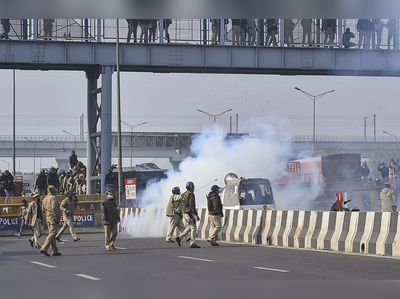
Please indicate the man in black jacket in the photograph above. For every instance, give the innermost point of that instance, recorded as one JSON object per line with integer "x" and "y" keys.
{"x": 73, "y": 160}
{"x": 7, "y": 181}
{"x": 384, "y": 171}
{"x": 110, "y": 215}
{"x": 214, "y": 214}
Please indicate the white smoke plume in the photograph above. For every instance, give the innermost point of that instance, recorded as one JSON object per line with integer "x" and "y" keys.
{"x": 213, "y": 157}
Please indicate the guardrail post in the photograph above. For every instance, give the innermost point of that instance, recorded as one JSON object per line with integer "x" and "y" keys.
{"x": 35, "y": 29}
{"x": 222, "y": 31}
{"x": 282, "y": 33}
{"x": 340, "y": 32}
{"x": 98, "y": 30}
{"x": 161, "y": 30}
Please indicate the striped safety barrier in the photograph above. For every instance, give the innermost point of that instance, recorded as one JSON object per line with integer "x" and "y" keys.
{"x": 352, "y": 232}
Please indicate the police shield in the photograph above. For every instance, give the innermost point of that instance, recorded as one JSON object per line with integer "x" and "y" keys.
{"x": 394, "y": 208}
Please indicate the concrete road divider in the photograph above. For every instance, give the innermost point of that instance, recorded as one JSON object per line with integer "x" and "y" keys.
{"x": 353, "y": 232}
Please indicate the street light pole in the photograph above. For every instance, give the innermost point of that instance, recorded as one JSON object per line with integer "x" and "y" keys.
{"x": 73, "y": 136}
{"x": 314, "y": 98}
{"x": 395, "y": 136}
{"x": 212, "y": 115}
{"x": 34, "y": 154}
{"x": 132, "y": 127}
{"x": 8, "y": 165}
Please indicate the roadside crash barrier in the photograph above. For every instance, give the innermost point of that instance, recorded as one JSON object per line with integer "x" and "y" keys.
{"x": 352, "y": 232}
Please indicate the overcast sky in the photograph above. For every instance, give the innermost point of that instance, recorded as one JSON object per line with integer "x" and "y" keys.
{"x": 50, "y": 102}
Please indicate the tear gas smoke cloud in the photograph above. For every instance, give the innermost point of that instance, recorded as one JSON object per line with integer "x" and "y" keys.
{"x": 213, "y": 157}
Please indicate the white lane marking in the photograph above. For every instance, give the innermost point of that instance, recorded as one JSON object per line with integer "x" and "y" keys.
{"x": 87, "y": 277}
{"x": 44, "y": 265}
{"x": 196, "y": 259}
{"x": 271, "y": 269}
{"x": 121, "y": 248}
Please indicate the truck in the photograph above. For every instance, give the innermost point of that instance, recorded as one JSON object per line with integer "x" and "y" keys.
{"x": 247, "y": 193}
{"x": 333, "y": 173}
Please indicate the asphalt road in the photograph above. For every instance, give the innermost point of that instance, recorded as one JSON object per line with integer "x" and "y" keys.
{"x": 155, "y": 259}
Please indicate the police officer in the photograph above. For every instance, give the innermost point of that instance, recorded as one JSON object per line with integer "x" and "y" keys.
{"x": 110, "y": 215}
{"x": 174, "y": 212}
{"x": 190, "y": 215}
{"x": 41, "y": 183}
{"x": 67, "y": 207}
{"x": 214, "y": 214}
{"x": 53, "y": 217}
{"x": 34, "y": 218}
{"x": 388, "y": 197}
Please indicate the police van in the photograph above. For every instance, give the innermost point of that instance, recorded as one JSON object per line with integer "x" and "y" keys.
{"x": 247, "y": 194}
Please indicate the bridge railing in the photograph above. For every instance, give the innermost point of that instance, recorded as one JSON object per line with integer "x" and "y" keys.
{"x": 183, "y": 140}
{"x": 196, "y": 31}
{"x": 338, "y": 138}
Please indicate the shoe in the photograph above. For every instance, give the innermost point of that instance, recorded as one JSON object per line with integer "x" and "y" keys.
{"x": 77, "y": 239}
{"x": 44, "y": 252}
{"x": 178, "y": 240}
{"x": 31, "y": 242}
{"x": 215, "y": 244}
{"x": 38, "y": 246}
{"x": 195, "y": 246}
{"x": 108, "y": 248}
{"x": 58, "y": 239}
{"x": 56, "y": 254}
{"x": 170, "y": 241}
{"x": 210, "y": 241}
{"x": 18, "y": 236}
{"x": 188, "y": 239}
{"x": 113, "y": 247}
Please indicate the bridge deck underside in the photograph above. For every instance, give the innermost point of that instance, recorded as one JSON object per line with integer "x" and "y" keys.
{"x": 53, "y": 55}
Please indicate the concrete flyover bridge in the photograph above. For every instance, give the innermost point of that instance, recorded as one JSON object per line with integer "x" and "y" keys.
{"x": 94, "y": 52}
{"x": 174, "y": 146}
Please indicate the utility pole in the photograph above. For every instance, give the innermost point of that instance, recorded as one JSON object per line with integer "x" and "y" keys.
{"x": 365, "y": 128}
{"x": 120, "y": 191}
{"x": 237, "y": 123}
{"x": 14, "y": 170}
{"x": 374, "y": 127}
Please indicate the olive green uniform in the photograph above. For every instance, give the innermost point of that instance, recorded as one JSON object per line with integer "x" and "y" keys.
{"x": 189, "y": 211}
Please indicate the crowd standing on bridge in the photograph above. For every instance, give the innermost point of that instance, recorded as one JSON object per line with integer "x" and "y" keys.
{"x": 244, "y": 31}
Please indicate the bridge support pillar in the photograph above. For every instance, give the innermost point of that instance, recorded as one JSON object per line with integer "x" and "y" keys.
{"x": 177, "y": 159}
{"x": 106, "y": 121}
{"x": 93, "y": 115}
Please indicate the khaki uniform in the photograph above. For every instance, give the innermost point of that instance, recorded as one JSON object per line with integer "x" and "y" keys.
{"x": 388, "y": 197}
{"x": 67, "y": 205}
{"x": 174, "y": 211}
{"x": 53, "y": 216}
{"x": 188, "y": 206}
{"x": 35, "y": 223}
{"x": 214, "y": 214}
{"x": 110, "y": 215}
